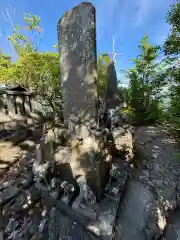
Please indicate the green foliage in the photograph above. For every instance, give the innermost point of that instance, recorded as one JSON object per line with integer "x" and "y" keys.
{"x": 102, "y": 66}
{"x": 27, "y": 38}
{"x": 7, "y": 68}
{"x": 172, "y": 51}
{"x": 129, "y": 113}
{"x": 145, "y": 84}
{"x": 39, "y": 71}
{"x": 124, "y": 94}
{"x": 172, "y": 43}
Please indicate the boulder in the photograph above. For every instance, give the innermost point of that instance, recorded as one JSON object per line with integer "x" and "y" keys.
{"x": 124, "y": 142}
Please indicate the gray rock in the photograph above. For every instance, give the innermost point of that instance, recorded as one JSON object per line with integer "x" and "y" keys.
{"x": 12, "y": 225}
{"x": 115, "y": 171}
{"x": 32, "y": 228}
{"x": 117, "y": 181}
{"x": 172, "y": 231}
{"x": 159, "y": 183}
{"x": 124, "y": 142}
{"x": 8, "y": 194}
{"x": 55, "y": 194}
{"x": 135, "y": 210}
{"x": 85, "y": 192}
{"x": 85, "y": 203}
{"x": 15, "y": 235}
{"x": 107, "y": 208}
{"x": 5, "y": 185}
{"x": 111, "y": 94}
{"x": 146, "y": 173}
{"x": 42, "y": 225}
{"x": 52, "y": 224}
{"x": 77, "y": 42}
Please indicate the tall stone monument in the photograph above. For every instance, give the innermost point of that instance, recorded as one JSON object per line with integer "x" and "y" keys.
{"x": 77, "y": 47}
{"x": 111, "y": 94}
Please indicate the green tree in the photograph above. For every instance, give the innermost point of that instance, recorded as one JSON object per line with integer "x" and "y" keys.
{"x": 172, "y": 43}
{"x": 145, "y": 84}
{"x": 39, "y": 71}
{"x": 27, "y": 38}
{"x": 7, "y": 68}
{"x": 124, "y": 94}
{"x": 172, "y": 50}
{"x": 102, "y": 66}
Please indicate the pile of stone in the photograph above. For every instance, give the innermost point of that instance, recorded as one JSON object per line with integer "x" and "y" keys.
{"x": 80, "y": 169}
{"x": 29, "y": 206}
{"x": 95, "y": 150}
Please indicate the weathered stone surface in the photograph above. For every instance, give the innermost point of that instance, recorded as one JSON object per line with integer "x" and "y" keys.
{"x": 22, "y": 203}
{"x": 13, "y": 190}
{"x": 19, "y": 103}
{"x": 9, "y": 194}
{"x": 85, "y": 202}
{"x": 111, "y": 95}
{"x": 172, "y": 231}
{"x": 8, "y": 155}
{"x": 76, "y": 34}
{"x": 159, "y": 158}
{"x": 107, "y": 208}
{"x": 117, "y": 119}
{"x": 117, "y": 181}
{"x": 85, "y": 192}
{"x": 6, "y": 184}
{"x": 107, "y": 214}
{"x": 62, "y": 227}
{"x": 11, "y": 104}
{"x": 134, "y": 212}
{"x": 90, "y": 158}
{"x": 12, "y": 225}
{"x": 59, "y": 136}
{"x": 84, "y": 160}
{"x": 124, "y": 142}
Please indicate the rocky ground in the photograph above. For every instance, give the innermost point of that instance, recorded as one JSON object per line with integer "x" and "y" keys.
{"x": 149, "y": 200}
{"x": 26, "y": 214}
{"x": 152, "y": 194}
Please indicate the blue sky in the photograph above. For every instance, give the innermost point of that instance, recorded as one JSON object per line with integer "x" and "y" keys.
{"x": 129, "y": 20}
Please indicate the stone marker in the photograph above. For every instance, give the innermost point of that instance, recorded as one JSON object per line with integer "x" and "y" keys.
{"x": 77, "y": 45}
{"x": 111, "y": 95}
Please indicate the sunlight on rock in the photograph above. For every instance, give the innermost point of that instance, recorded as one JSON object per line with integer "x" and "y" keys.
{"x": 42, "y": 225}
{"x": 94, "y": 229}
{"x": 161, "y": 219}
